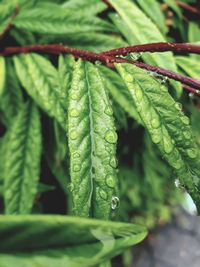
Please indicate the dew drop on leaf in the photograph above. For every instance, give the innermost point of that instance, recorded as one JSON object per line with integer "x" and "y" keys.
{"x": 74, "y": 96}
{"x": 76, "y": 155}
{"x": 73, "y": 112}
{"x": 192, "y": 153}
{"x": 71, "y": 187}
{"x": 177, "y": 182}
{"x": 73, "y": 135}
{"x": 176, "y": 164}
{"x": 113, "y": 162}
{"x": 135, "y": 56}
{"x": 187, "y": 135}
{"x": 103, "y": 194}
{"x": 76, "y": 167}
{"x": 108, "y": 111}
{"x": 111, "y": 136}
{"x": 185, "y": 120}
{"x": 129, "y": 78}
{"x": 115, "y": 202}
{"x": 110, "y": 181}
{"x": 164, "y": 79}
{"x": 168, "y": 146}
{"x": 138, "y": 94}
{"x": 178, "y": 106}
{"x": 191, "y": 95}
{"x": 156, "y": 138}
{"x": 155, "y": 123}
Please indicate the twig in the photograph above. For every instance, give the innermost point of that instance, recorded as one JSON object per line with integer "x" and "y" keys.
{"x": 170, "y": 74}
{"x": 155, "y": 47}
{"x": 191, "y": 9}
{"x": 9, "y": 25}
{"x": 57, "y": 49}
{"x": 191, "y": 90}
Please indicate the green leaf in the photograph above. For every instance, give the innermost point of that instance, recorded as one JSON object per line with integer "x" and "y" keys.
{"x": 118, "y": 90}
{"x": 106, "y": 264}
{"x": 3, "y": 144}
{"x": 153, "y": 10}
{"x": 139, "y": 29}
{"x": 11, "y": 99}
{"x": 92, "y": 143}
{"x": 193, "y": 32}
{"x": 65, "y": 69}
{"x": 22, "y": 166}
{"x": 63, "y": 241}
{"x": 2, "y": 75}
{"x": 55, "y": 154}
{"x": 167, "y": 125}
{"x": 6, "y": 10}
{"x": 93, "y": 41}
{"x": 85, "y": 7}
{"x": 53, "y": 19}
{"x": 41, "y": 80}
{"x": 190, "y": 65}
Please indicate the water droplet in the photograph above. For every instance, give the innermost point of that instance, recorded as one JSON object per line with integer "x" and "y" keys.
{"x": 113, "y": 162}
{"x": 74, "y": 96}
{"x": 73, "y": 112}
{"x": 76, "y": 155}
{"x": 156, "y": 138}
{"x": 187, "y": 134}
{"x": 185, "y": 120}
{"x": 129, "y": 78}
{"x": 108, "y": 110}
{"x": 178, "y": 106}
{"x": 110, "y": 180}
{"x": 73, "y": 134}
{"x": 191, "y": 95}
{"x": 111, "y": 136}
{"x": 135, "y": 56}
{"x": 177, "y": 182}
{"x": 71, "y": 187}
{"x": 103, "y": 194}
{"x": 155, "y": 123}
{"x": 177, "y": 164}
{"x": 156, "y": 75}
{"x": 98, "y": 63}
{"x": 115, "y": 202}
{"x": 76, "y": 167}
{"x": 192, "y": 153}
{"x": 164, "y": 79}
{"x": 138, "y": 94}
{"x": 168, "y": 146}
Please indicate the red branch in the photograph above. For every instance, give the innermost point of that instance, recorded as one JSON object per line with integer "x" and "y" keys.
{"x": 102, "y": 57}
{"x": 155, "y": 47}
{"x": 191, "y": 9}
{"x": 191, "y": 90}
{"x": 9, "y": 25}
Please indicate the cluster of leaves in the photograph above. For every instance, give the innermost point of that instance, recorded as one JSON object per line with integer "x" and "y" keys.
{"x": 60, "y": 117}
